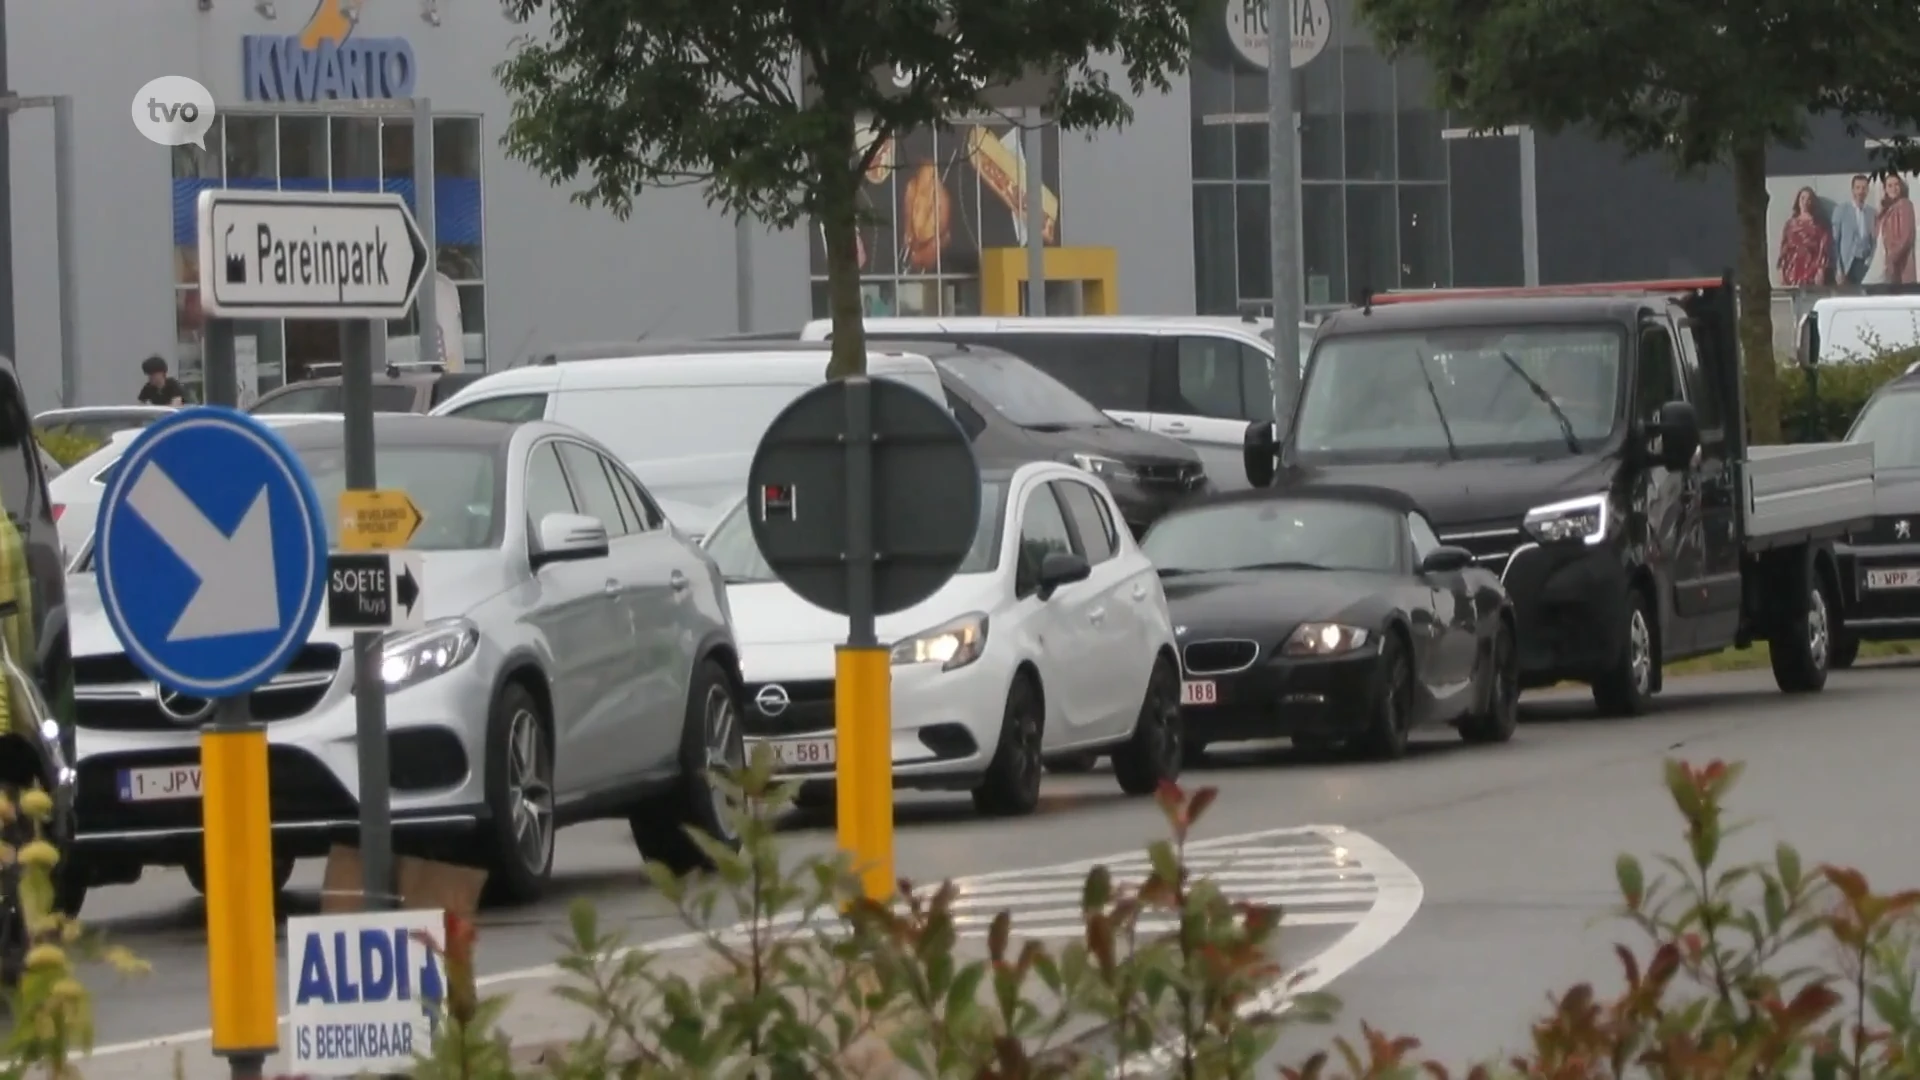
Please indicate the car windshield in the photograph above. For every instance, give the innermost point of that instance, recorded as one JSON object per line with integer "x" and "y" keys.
{"x": 1891, "y": 422}
{"x": 1025, "y": 395}
{"x": 1284, "y": 534}
{"x": 327, "y": 398}
{"x": 1452, "y": 393}
{"x": 457, "y": 489}
{"x": 734, "y": 549}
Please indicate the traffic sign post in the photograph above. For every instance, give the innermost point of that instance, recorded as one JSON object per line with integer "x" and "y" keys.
{"x": 212, "y": 580}
{"x": 358, "y": 258}
{"x": 864, "y": 498}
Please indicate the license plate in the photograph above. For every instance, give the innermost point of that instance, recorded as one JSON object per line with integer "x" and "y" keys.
{"x": 152, "y": 785}
{"x": 1199, "y": 692}
{"x": 1904, "y": 578}
{"x": 804, "y": 752}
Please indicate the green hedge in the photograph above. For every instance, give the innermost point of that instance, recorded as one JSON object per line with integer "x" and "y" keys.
{"x": 1840, "y": 391}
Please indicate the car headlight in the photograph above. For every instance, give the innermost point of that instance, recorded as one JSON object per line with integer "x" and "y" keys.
{"x": 1585, "y": 519}
{"x": 1105, "y": 467}
{"x": 414, "y": 656}
{"x": 1325, "y": 639}
{"x": 951, "y": 645}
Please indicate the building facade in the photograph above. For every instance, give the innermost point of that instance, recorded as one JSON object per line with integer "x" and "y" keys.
{"x": 526, "y": 266}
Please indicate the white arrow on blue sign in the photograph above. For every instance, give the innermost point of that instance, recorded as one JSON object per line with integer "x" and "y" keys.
{"x": 211, "y": 552}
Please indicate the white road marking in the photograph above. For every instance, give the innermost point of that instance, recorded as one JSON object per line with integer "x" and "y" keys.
{"x": 1351, "y": 879}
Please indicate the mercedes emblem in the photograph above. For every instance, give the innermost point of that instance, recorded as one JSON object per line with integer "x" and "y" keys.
{"x": 181, "y": 708}
{"x": 1903, "y": 530}
{"x": 772, "y": 699}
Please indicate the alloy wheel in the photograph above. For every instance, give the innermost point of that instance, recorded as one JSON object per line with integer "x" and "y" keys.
{"x": 1640, "y": 652}
{"x": 530, "y": 790}
{"x": 1819, "y": 633}
{"x": 725, "y": 749}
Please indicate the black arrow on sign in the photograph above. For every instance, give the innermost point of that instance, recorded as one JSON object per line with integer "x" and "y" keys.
{"x": 407, "y": 590}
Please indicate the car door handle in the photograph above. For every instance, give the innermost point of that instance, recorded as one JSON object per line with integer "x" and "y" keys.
{"x": 678, "y": 581}
{"x": 1097, "y": 616}
{"x": 1139, "y": 592}
{"x": 1176, "y": 427}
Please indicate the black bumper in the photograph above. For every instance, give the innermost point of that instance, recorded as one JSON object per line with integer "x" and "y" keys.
{"x": 1878, "y": 614}
{"x": 1283, "y": 695}
{"x": 1570, "y": 608}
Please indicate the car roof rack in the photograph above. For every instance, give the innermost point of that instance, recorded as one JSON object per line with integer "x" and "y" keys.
{"x": 1654, "y": 287}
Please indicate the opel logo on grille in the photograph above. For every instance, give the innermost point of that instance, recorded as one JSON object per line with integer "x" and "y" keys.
{"x": 181, "y": 708}
{"x": 772, "y": 700}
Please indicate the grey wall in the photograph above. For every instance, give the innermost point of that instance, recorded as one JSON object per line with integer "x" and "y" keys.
{"x": 555, "y": 272}
{"x": 1131, "y": 189}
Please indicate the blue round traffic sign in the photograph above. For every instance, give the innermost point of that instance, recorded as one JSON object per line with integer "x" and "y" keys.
{"x": 211, "y": 552}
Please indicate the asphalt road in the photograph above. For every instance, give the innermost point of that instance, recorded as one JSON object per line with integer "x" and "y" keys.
{"x": 1513, "y": 846}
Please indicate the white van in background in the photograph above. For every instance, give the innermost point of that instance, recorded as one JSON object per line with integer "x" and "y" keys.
{"x": 1197, "y": 378}
{"x": 1854, "y": 328}
{"x": 686, "y": 425}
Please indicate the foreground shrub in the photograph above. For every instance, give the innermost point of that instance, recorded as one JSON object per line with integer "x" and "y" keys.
{"x": 1837, "y": 394}
{"x": 1760, "y": 970}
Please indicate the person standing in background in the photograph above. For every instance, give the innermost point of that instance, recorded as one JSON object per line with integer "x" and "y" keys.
{"x": 160, "y": 388}
{"x": 1806, "y": 247}
{"x": 1855, "y": 231}
{"x": 1897, "y": 231}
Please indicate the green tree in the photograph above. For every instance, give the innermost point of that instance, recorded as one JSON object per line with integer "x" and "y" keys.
{"x": 1701, "y": 82}
{"x": 758, "y": 101}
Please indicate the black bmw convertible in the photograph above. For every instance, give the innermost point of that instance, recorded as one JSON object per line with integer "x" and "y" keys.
{"x": 1333, "y": 616}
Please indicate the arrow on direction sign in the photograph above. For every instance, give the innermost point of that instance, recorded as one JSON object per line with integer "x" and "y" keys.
{"x": 406, "y": 591}
{"x": 239, "y": 592}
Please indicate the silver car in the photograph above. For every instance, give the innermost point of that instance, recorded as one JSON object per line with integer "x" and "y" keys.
{"x": 577, "y": 664}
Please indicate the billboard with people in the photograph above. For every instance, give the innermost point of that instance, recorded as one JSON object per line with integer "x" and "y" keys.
{"x": 1841, "y": 229}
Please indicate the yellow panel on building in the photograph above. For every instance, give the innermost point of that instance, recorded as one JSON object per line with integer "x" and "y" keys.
{"x": 1003, "y": 273}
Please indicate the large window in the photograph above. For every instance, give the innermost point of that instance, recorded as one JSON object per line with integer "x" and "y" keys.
{"x": 932, "y": 201}
{"x": 1372, "y": 169}
{"x": 321, "y": 153}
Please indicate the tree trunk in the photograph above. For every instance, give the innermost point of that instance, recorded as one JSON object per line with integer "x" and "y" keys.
{"x": 1755, "y": 281}
{"x": 840, "y": 226}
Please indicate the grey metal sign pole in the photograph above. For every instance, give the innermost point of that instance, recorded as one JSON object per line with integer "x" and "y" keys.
{"x": 1283, "y": 216}
{"x": 426, "y": 306}
{"x": 62, "y": 106}
{"x": 1036, "y": 167}
{"x": 369, "y": 693}
{"x": 1529, "y": 209}
{"x": 743, "y": 275}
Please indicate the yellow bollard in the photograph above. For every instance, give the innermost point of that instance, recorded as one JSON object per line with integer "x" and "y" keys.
{"x": 863, "y": 737}
{"x": 239, "y": 875}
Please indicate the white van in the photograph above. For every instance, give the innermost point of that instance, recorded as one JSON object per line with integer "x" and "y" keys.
{"x": 1197, "y": 378}
{"x": 1854, "y": 328}
{"x": 687, "y": 425}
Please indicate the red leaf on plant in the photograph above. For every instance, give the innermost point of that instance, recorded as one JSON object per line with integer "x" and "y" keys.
{"x": 1851, "y": 883}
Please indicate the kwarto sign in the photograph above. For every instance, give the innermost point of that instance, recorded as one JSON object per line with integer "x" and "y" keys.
{"x": 326, "y": 60}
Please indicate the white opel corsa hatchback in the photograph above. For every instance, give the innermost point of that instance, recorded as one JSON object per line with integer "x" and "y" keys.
{"x": 1052, "y": 642}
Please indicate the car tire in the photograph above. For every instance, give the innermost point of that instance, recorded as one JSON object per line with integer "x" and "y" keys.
{"x": 1802, "y": 643}
{"x": 1074, "y": 764}
{"x": 1496, "y": 723}
{"x": 71, "y": 882}
{"x": 1626, "y": 689}
{"x": 1846, "y": 650}
{"x": 196, "y": 872}
{"x": 517, "y": 841}
{"x": 711, "y": 739}
{"x": 1154, "y": 752}
{"x": 1390, "y": 712}
{"x": 1011, "y": 787}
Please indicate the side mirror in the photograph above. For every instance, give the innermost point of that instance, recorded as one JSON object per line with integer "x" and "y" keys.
{"x": 1061, "y": 568}
{"x": 1679, "y": 430}
{"x": 1807, "y": 350}
{"x": 1260, "y": 452}
{"x": 568, "y": 538}
{"x": 1446, "y": 559}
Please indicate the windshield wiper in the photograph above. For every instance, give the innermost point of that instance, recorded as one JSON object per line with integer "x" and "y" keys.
{"x": 1433, "y": 392}
{"x": 1566, "y": 425}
